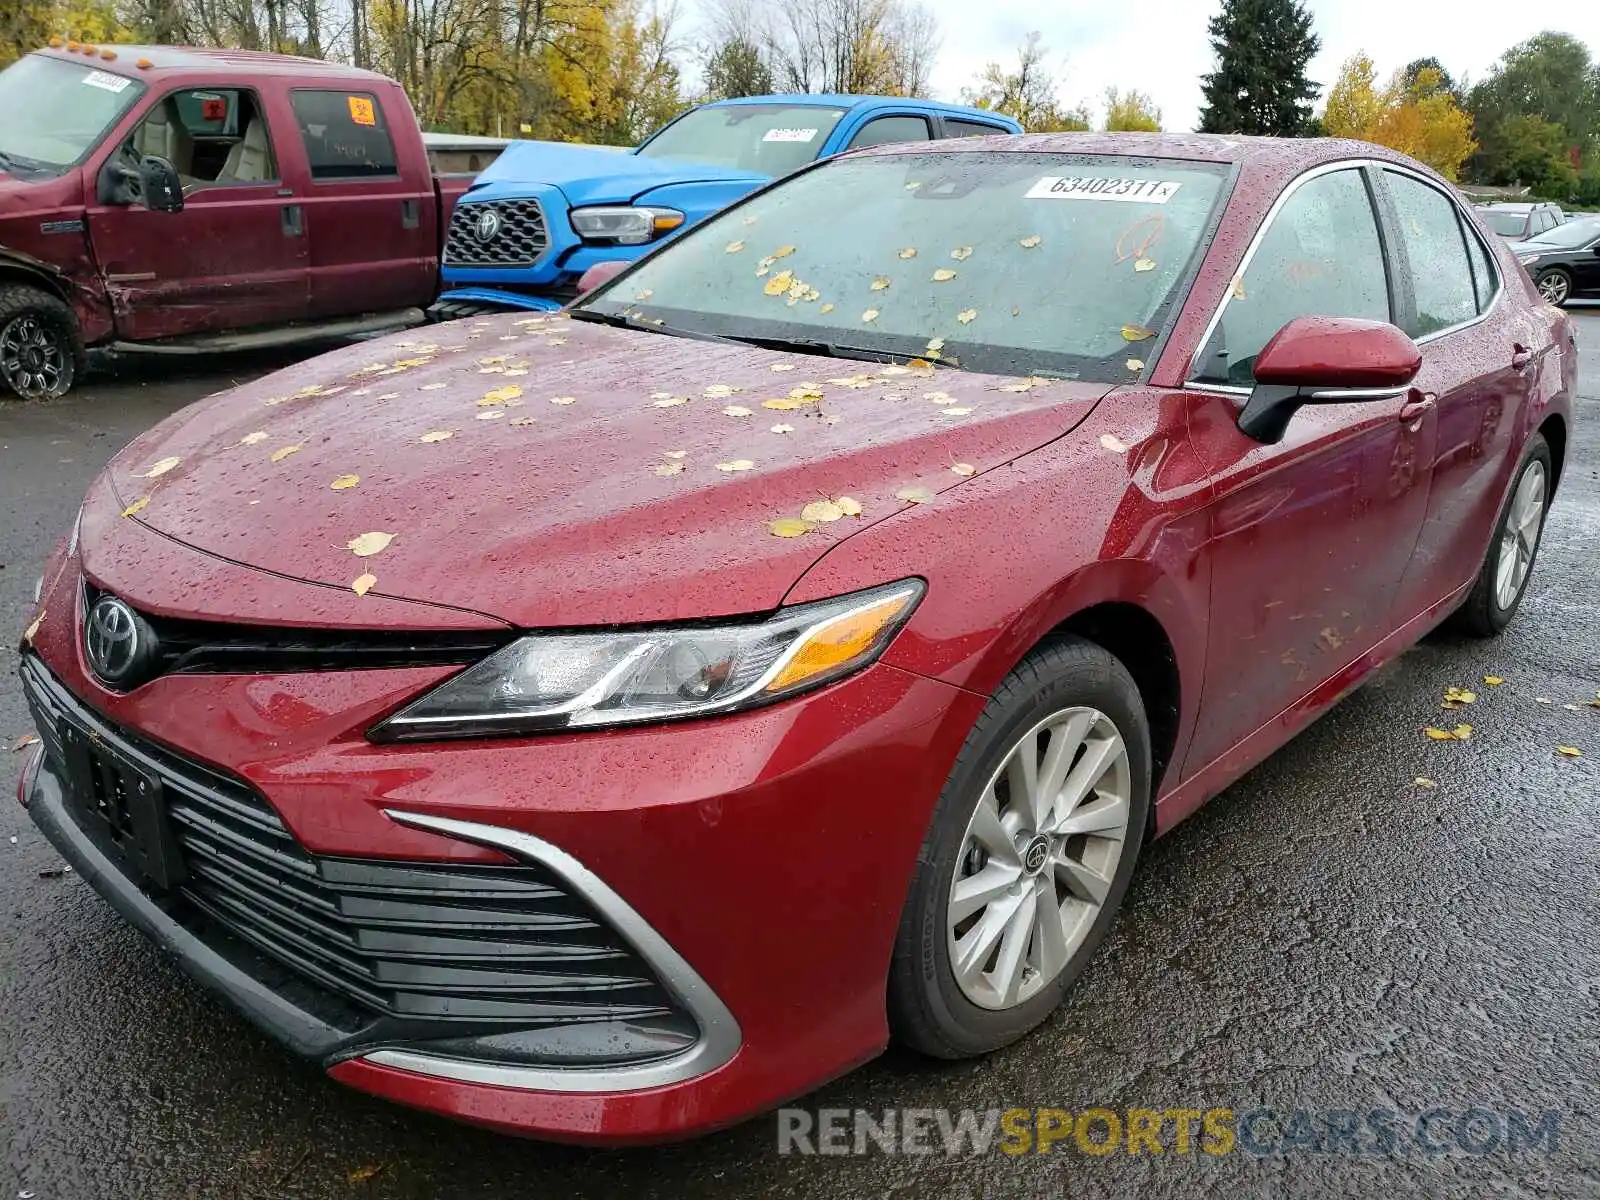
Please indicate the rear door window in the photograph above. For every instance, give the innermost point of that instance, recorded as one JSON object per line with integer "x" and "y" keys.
{"x": 954, "y": 127}
{"x": 345, "y": 135}
{"x": 884, "y": 130}
{"x": 1432, "y": 237}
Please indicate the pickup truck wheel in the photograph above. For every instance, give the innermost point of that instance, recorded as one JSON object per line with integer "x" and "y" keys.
{"x": 40, "y": 351}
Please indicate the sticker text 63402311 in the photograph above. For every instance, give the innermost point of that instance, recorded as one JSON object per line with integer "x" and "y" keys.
{"x": 1093, "y": 187}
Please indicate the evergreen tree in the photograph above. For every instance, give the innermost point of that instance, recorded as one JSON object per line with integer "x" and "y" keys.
{"x": 1260, "y": 87}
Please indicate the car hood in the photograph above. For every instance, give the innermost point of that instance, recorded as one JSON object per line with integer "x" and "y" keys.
{"x": 551, "y": 472}
{"x": 587, "y": 175}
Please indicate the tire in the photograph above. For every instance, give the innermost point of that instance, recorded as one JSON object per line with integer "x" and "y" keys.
{"x": 1490, "y": 606}
{"x": 41, "y": 354}
{"x": 1555, "y": 285}
{"x": 944, "y": 1014}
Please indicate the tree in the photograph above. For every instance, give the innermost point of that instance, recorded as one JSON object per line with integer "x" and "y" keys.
{"x": 735, "y": 68}
{"x": 1415, "y": 114}
{"x": 27, "y": 25}
{"x": 859, "y": 46}
{"x": 1028, "y": 93}
{"x": 1263, "y": 48}
{"x": 1131, "y": 110}
{"x": 1354, "y": 103}
{"x": 1441, "y": 83}
{"x": 1552, "y": 77}
{"x": 1538, "y": 156}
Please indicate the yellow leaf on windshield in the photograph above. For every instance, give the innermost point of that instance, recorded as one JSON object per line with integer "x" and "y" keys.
{"x": 870, "y": 315}
{"x": 967, "y": 316}
{"x": 365, "y": 545}
{"x": 821, "y": 511}
{"x": 783, "y": 252}
{"x": 1135, "y": 364}
{"x": 1238, "y": 287}
{"x": 788, "y": 527}
{"x": 363, "y": 583}
{"x": 909, "y": 252}
{"x": 501, "y": 394}
{"x": 282, "y": 453}
{"x": 1144, "y": 264}
{"x": 961, "y": 253}
{"x": 880, "y": 283}
{"x": 1136, "y": 333}
{"x": 733, "y": 247}
{"x": 136, "y": 507}
{"x": 438, "y": 435}
{"x": 827, "y": 308}
{"x": 779, "y": 283}
{"x": 250, "y": 439}
{"x": 1032, "y": 240}
{"x": 914, "y": 495}
{"x": 943, "y": 275}
{"x": 161, "y": 468}
{"x": 345, "y": 482}
{"x": 934, "y": 346}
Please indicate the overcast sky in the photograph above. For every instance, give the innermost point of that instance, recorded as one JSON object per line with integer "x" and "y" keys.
{"x": 1161, "y": 47}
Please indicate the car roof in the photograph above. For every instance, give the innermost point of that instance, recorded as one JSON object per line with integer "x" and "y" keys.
{"x": 841, "y": 100}
{"x": 127, "y": 60}
{"x": 1504, "y": 206}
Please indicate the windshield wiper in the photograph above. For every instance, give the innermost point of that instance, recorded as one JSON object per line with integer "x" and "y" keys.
{"x": 624, "y": 321}
{"x": 829, "y": 349}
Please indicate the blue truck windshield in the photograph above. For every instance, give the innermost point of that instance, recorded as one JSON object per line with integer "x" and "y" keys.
{"x": 769, "y": 139}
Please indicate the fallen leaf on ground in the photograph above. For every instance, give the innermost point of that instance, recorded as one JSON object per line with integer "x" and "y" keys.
{"x": 914, "y": 495}
{"x": 362, "y": 1174}
{"x": 1569, "y": 751}
{"x": 283, "y": 452}
{"x": 1113, "y": 443}
{"x": 788, "y": 527}
{"x": 136, "y": 507}
{"x": 849, "y": 506}
{"x": 31, "y": 630}
{"x": 367, "y": 544}
{"x": 1144, "y": 264}
{"x": 345, "y": 481}
{"x": 1422, "y": 782}
{"x": 161, "y": 468}
{"x": 821, "y": 511}
{"x": 943, "y": 275}
{"x": 1493, "y": 680}
{"x": 363, "y": 583}
{"x": 736, "y": 464}
{"x": 964, "y": 469}
{"x": 1460, "y": 733}
{"x": 23, "y": 742}
{"x": 250, "y": 439}
{"x": 1455, "y": 695}
{"x": 1136, "y": 333}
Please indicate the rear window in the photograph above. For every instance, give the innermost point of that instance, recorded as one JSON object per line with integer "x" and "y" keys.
{"x": 1506, "y": 224}
{"x": 345, "y": 135}
{"x": 1007, "y": 262}
{"x": 959, "y": 129}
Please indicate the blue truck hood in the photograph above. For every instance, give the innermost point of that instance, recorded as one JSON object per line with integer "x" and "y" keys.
{"x": 589, "y": 176}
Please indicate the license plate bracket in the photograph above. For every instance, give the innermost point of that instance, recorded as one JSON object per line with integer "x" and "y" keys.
{"x": 124, "y": 803}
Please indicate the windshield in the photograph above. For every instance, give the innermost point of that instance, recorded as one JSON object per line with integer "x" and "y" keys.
{"x": 1574, "y": 235}
{"x": 56, "y": 111}
{"x": 1506, "y": 224}
{"x": 1012, "y": 263}
{"x": 769, "y": 139}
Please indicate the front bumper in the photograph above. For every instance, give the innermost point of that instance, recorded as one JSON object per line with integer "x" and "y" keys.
{"x": 731, "y": 856}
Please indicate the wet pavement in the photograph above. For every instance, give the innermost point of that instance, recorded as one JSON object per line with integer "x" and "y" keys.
{"x": 1326, "y": 936}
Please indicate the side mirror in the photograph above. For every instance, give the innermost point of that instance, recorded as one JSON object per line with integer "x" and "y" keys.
{"x": 1326, "y": 360}
{"x": 159, "y": 185}
{"x": 600, "y": 273}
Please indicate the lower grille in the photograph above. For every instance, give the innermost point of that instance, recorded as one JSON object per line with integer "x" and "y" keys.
{"x": 496, "y": 233}
{"x": 455, "y": 950}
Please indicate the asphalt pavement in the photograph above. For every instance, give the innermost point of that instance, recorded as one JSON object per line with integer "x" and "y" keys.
{"x": 1325, "y": 937}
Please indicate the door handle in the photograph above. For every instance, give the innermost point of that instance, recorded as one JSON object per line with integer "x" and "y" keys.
{"x": 1417, "y": 404}
{"x": 1521, "y": 356}
{"x": 293, "y": 220}
{"x": 410, "y": 214}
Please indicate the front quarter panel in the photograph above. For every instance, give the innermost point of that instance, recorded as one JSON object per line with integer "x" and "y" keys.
{"x": 1111, "y": 512}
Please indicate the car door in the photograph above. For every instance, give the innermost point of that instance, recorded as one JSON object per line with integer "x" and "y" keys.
{"x": 1307, "y": 538}
{"x": 234, "y": 255}
{"x": 370, "y": 212}
{"x": 1479, "y": 364}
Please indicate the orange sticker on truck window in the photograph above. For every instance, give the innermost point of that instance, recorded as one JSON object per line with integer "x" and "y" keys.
{"x": 361, "y": 111}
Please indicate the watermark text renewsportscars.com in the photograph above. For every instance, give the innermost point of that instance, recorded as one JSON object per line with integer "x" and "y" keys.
{"x": 1473, "y": 1130}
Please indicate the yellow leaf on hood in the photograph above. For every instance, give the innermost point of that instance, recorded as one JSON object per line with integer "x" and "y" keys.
{"x": 964, "y": 469}
{"x": 779, "y": 367}
{"x": 161, "y": 468}
{"x": 1113, "y": 443}
{"x": 1144, "y": 264}
{"x": 570, "y": 399}
{"x": 501, "y": 394}
{"x": 788, "y": 527}
{"x": 1569, "y": 751}
{"x": 669, "y": 402}
{"x": 283, "y": 452}
{"x": 491, "y": 414}
{"x": 943, "y": 275}
{"x": 524, "y": 421}
{"x": 136, "y": 507}
{"x": 783, "y": 403}
{"x": 720, "y": 391}
{"x": 821, "y": 511}
{"x": 675, "y": 453}
{"x": 31, "y": 630}
{"x": 870, "y": 315}
{"x": 668, "y": 468}
{"x": 1136, "y": 333}
{"x": 914, "y": 495}
{"x": 738, "y": 464}
{"x": 954, "y": 412}
{"x": 363, "y": 584}
{"x": 345, "y": 481}
{"x": 738, "y": 410}
{"x": 367, "y": 544}
{"x": 783, "y": 429}
{"x": 1032, "y": 240}
{"x": 250, "y": 439}
{"x": 493, "y": 360}
{"x": 849, "y": 506}
{"x": 437, "y": 435}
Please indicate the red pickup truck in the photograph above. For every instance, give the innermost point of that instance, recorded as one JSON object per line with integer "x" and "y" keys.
{"x": 178, "y": 200}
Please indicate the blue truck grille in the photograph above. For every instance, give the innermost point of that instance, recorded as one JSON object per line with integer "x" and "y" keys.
{"x": 496, "y": 233}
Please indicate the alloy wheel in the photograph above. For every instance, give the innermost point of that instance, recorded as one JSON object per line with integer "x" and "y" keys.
{"x": 34, "y": 359}
{"x": 1038, "y": 858}
{"x": 1554, "y": 288}
{"x": 1519, "y": 537}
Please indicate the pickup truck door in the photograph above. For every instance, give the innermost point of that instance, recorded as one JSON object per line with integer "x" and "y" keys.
{"x": 371, "y": 211}
{"x": 236, "y": 255}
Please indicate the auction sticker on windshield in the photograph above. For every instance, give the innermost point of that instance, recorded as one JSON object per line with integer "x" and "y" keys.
{"x": 1085, "y": 187}
{"x": 106, "y": 82}
{"x": 789, "y": 135}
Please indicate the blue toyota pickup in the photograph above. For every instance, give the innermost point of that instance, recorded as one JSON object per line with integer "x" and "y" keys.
{"x": 544, "y": 213}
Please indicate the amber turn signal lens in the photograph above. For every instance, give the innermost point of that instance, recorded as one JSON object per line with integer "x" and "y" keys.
{"x": 834, "y": 645}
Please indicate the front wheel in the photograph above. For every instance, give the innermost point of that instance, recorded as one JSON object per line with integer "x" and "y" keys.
{"x": 1030, "y": 850}
{"x": 1555, "y": 285}
{"x": 1507, "y": 567}
{"x": 40, "y": 353}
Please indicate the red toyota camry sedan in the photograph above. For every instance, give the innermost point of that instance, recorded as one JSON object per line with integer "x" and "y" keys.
{"x": 606, "y": 725}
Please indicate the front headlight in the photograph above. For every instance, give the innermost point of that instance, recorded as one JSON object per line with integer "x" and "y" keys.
{"x": 624, "y": 225}
{"x": 553, "y": 682}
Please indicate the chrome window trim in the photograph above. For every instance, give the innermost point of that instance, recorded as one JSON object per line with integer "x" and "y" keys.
{"x": 720, "y": 1037}
{"x": 1344, "y": 164}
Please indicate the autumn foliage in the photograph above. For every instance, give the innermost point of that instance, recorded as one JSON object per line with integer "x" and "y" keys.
{"x": 1420, "y": 117}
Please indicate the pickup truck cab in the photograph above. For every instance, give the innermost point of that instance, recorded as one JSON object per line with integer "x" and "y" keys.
{"x": 544, "y": 213}
{"x": 179, "y": 200}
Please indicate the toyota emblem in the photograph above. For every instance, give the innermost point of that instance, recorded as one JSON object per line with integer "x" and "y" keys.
{"x": 487, "y": 227}
{"x": 118, "y": 642}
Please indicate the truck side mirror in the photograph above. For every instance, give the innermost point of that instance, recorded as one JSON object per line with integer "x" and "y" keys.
{"x": 159, "y": 185}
